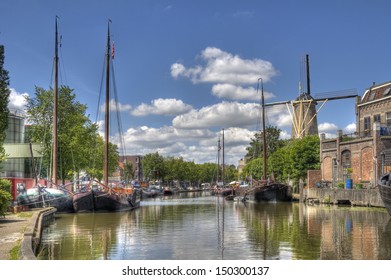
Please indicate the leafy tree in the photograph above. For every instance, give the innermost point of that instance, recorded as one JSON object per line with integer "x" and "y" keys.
{"x": 5, "y": 195}
{"x": 153, "y": 166}
{"x": 273, "y": 142}
{"x": 208, "y": 172}
{"x": 79, "y": 145}
{"x": 128, "y": 172}
{"x": 4, "y": 95}
{"x": 304, "y": 155}
{"x": 231, "y": 173}
{"x": 254, "y": 169}
{"x": 96, "y": 156}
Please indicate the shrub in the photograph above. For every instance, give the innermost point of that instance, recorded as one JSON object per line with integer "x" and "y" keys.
{"x": 5, "y": 201}
{"x": 5, "y": 185}
{"x": 359, "y": 186}
{"x": 341, "y": 185}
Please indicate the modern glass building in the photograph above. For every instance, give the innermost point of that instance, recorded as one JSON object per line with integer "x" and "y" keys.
{"x": 19, "y": 158}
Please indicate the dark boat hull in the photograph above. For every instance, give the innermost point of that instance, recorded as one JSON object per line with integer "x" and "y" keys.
{"x": 101, "y": 201}
{"x": 384, "y": 186}
{"x": 273, "y": 192}
{"x": 48, "y": 197}
{"x": 225, "y": 192}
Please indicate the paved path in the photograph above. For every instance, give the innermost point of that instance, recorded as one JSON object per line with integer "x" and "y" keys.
{"x": 11, "y": 231}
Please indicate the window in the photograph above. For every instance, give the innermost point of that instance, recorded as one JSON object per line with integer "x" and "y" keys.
{"x": 371, "y": 95}
{"x": 387, "y": 91}
{"x": 376, "y": 118}
{"x": 367, "y": 125}
{"x": 346, "y": 164}
{"x": 388, "y": 119}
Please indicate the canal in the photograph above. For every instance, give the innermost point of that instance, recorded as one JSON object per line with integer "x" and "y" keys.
{"x": 198, "y": 226}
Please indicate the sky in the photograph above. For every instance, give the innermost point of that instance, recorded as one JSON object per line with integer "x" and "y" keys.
{"x": 185, "y": 69}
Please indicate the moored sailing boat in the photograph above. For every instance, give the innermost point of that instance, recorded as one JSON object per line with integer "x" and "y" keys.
{"x": 267, "y": 190}
{"x": 103, "y": 196}
{"x": 55, "y": 195}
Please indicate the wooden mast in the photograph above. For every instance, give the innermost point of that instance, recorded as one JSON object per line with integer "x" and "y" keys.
{"x": 55, "y": 105}
{"x": 223, "y": 171}
{"x": 107, "y": 119}
{"x": 263, "y": 130}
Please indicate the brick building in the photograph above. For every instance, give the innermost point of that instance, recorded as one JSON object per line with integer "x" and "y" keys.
{"x": 366, "y": 154}
{"x": 136, "y": 163}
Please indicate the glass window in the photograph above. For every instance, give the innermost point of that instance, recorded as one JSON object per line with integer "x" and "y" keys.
{"x": 371, "y": 96}
{"x": 367, "y": 126}
{"x": 376, "y": 118}
{"x": 388, "y": 119}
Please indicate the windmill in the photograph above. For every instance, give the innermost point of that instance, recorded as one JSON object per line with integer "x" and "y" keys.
{"x": 303, "y": 110}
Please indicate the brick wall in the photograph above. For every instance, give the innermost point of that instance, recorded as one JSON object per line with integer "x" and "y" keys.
{"x": 313, "y": 176}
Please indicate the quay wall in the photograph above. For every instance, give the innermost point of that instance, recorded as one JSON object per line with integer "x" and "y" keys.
{"x": 362, "y": 197}
{"x": 32, "y": 234}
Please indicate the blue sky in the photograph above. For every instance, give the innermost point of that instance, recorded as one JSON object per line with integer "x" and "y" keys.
{"x": 185, "y": 70}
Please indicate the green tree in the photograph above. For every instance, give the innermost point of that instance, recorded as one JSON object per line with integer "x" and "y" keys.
{"x": 5, "y": 195}
{"x": 79, "y": 145}
{"x": 128, "y": 172}
{"x": 254, "y": 169}
{"x": 4, "y": 95}
{"x": 304, "y": 155}
{"x": 231, "y": 173}
{"x": 96, "y": 156}
{"x": 208, "y": 172}
{"x": 273, "y": 142}
{"x": 153, "y": 166}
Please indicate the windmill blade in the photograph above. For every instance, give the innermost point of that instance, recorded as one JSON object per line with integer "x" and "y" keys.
{"x": 335, "y": 95}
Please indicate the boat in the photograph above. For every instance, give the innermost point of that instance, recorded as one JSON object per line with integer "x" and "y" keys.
{"x": 167, "y": 191}
{"x": 52, "y": 195}
{"x": 42, "y": 196}
{"x": 384, "y": 186}
{"x": 105, "y": 197}
{"x": 268, "y": 190}
{"x": 150, "y": 193}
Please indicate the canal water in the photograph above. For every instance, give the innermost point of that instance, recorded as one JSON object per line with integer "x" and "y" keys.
{"x": 198, "y": 226}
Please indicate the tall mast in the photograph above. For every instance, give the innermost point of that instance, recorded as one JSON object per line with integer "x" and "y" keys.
{"x": 218, "y": 159}
{"x": 55, "y": 105}
{"x": 223, "y": 172}
{"x": 106, "y": 152}
{"x": 263, "y": 130}
{"x": 307, "y": 61}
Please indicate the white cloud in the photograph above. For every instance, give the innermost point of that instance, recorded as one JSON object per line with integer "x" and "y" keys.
{"x": 114, "y": 106}
{"x": 17, "y": 100}
{"x": 225, "y": 114}
{"x": 351, "y": 128}
{"x": 234, "y": 92}
{"x": 199, "y": 145}
{"x": 224, "y": 67}
{"x": 327, "y": 127}
{"x": 231, "y": 114}
{"x": 167, "y": 107}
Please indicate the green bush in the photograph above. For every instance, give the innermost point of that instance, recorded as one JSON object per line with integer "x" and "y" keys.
{"x": 5, "y": 185}
{"x": 341, "y": 185}
{"x": 5, "y": 201}
{"x": 359, "y": 186}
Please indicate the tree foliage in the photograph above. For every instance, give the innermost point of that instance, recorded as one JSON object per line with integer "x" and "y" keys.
{"x": 273, "y": 142}
{"x": 289, "y": 160}
{"x": 5, "y": 195}
{"x": 4, "y": 95}
{"x": 79, "y": 145}
{"x": 153, "y": 166}
{"x": 170, "y": 169}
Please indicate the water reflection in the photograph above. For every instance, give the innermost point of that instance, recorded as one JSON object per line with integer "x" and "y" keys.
{"x": 200, "y": 226}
